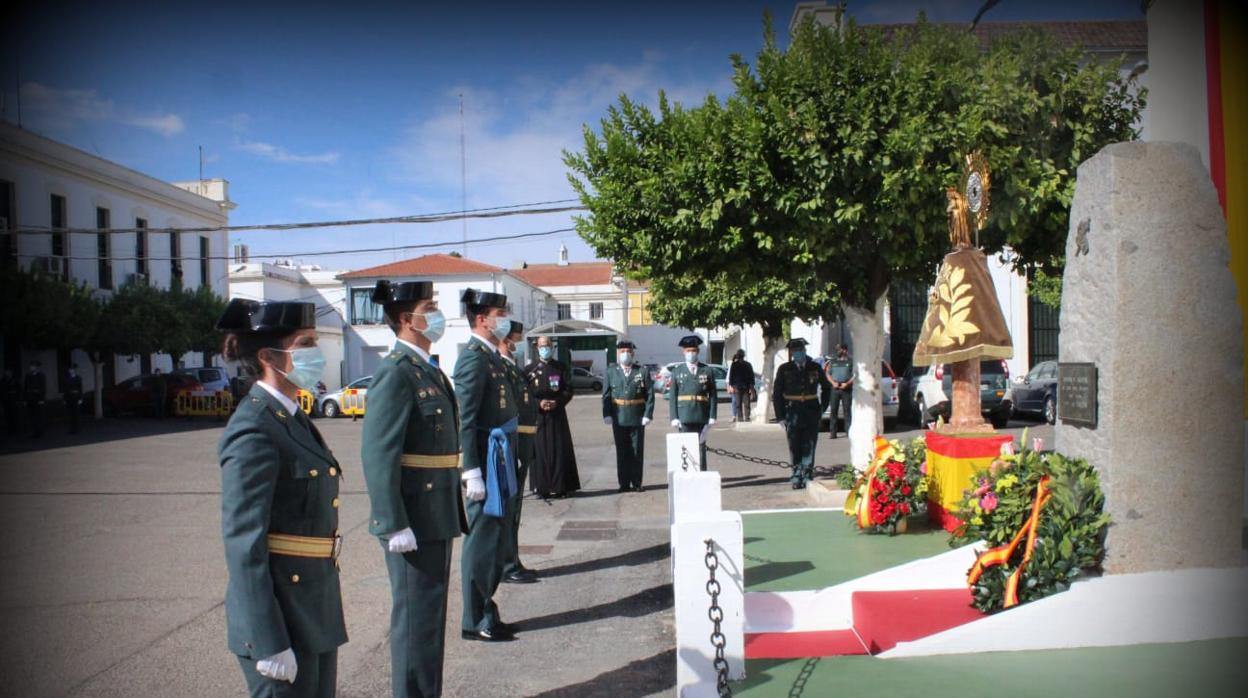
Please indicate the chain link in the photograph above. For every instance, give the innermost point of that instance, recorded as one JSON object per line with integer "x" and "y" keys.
{"x": 750, "y": 459}
{"x": 716, "y": 616}
{"x": 684, "y": 459}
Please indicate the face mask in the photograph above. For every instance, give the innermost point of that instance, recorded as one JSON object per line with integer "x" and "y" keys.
{"x": 799, "y": 355}
{"x": 306, "y": 366}
{"x": 435, "y": 325}
{"x": 502, "y": 328}
{"x": 691, "y": 357}
{"x": 626, "y": 358}
{"x": 544, "y": 353}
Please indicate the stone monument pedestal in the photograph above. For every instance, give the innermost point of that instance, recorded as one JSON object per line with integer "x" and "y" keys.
{"x": 1150, "y": 303}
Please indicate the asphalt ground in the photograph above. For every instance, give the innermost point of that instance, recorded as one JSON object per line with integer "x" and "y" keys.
{"x": 112, "y": 576}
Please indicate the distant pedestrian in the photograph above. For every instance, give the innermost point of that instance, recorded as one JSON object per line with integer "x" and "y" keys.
{"x": 10, "y": 393}
{"x": 71, "y": 393}
{"x": 741, "y": 386}
{"x": 160, "y": 395}
{"x": 692, "y": 398}
{"x": 34, "y": 391}
{"x": 627, "y": 407}
{"x": 840, "y": 373}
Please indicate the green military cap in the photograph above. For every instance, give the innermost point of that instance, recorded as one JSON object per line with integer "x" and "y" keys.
{"x": 248, "y": 316}
{"x": 516, "y": 328}
{"x": 625, "y": 344}
{"x": 797, "y": 343}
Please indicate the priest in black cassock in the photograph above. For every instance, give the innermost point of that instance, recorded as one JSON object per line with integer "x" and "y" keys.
{"x": 554, "y": 474}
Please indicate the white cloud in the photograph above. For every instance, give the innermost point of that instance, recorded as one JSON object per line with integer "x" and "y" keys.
{"x": 277, "y": 153}
{"x": 67, "y": 108}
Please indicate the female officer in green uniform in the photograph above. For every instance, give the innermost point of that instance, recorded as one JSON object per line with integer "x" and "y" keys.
{"x": 279, "y": 509}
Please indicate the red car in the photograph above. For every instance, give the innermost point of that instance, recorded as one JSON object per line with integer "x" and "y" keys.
{"x": 137, "y": 394}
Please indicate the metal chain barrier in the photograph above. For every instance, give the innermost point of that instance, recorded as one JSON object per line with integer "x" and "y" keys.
{"x": 748, "y": 458}
{"x": 716, "y": 615}
{"x": 685, "y": 459}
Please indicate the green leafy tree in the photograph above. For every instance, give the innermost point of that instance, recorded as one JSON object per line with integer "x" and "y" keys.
{"x": 831, "y": 159}
{"x": 199, "y": 310}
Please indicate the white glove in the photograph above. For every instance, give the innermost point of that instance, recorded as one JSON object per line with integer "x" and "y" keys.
{"x": 607, "y": 421}
{"x": 402, "y": 542}
{"x": 702, "y": 434}
{"x": 645, "y": 421}
{"x": 710, "y": 421}
{"x": 675, "y": 423}
{"x": 476, "y": 486}
{"x": 279, "y": 667}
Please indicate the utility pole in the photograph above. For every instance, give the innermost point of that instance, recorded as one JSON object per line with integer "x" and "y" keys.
{"x": 463, "y": 178}
{"x": 201, "y": 163}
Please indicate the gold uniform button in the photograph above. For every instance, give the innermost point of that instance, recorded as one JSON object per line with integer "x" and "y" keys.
{"x": 294, "y": 579}
{"x": 313, "y": 473}
{"x": 333, "y": 472}
{"x": 439, "y": 410}
{"x": 336, "y": 502}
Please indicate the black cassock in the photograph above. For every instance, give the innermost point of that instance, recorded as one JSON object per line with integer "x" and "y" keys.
{"x": 555, "y": 470}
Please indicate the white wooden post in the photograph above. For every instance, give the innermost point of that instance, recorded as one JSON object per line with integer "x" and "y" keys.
{"x": 677, "y": 463}
{"x": 695, "y": 655}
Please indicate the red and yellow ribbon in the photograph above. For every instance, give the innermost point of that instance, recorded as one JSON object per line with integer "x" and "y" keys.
{"x": 1001, "y": 555}
{"x": 857, "y": 504}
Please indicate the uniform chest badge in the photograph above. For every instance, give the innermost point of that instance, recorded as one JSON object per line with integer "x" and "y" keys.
{"x": 555, "y": 381}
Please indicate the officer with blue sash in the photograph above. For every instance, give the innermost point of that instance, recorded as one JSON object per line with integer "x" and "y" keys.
{"x": 487, "y": 435}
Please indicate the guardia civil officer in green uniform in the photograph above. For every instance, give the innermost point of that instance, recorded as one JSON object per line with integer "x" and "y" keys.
{"x": 411, "y": 468}
{"x": 279, "y": 508}
{"x": 487, "y": 434}
{"x": 627, "y": 407}
{"x": 840, "y": 373}
{"x": 800, "y": 394}
{"x": 692, "y": 398}
{"x": 514, "y": 571}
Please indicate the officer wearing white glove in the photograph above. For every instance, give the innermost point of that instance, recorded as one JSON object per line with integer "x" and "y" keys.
{"x": 279, "y": 667}
{"x": 475, "y": 484}
{"x": 645, "y": 421}
{"x": 402, "y": 542}
{"x": 675, "y": 423}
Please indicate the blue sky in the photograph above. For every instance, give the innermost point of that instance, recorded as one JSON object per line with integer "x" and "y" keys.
{"x": 334, "y": 110}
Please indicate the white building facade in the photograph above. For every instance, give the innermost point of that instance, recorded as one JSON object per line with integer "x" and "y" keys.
{"x": 49, "y": 186}
{"x": 285, "y": 281}
{"x": 367, "y": 338}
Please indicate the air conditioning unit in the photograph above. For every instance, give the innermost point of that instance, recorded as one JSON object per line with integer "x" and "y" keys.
{"x": 55, "y": 266}
{"x": 137, "y": 279}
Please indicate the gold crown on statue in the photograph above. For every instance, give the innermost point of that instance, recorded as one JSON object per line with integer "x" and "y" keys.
{"x": 968, "y": 207}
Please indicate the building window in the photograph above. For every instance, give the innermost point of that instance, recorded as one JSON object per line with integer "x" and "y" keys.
{"x": 140, "y": 246}
{"x": 175, "y": 258}
{"x": 363, "y": 310}
{"x": 60, "y": 241}
{"x": 8, "y": 223}
{"x": 639, "y": 309}
{"x": 565, "y": 311}
{"x": 103, "y": 248}
{"x": 203, "y": 262}
{"x": 595, "y": 311}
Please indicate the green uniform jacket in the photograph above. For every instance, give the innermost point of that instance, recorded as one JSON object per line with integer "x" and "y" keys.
{"x": 411, "y": 411}
{"x": 277, "y": 478}
{"x": 840, "y": 370}
{"x": 798, "y": 394}
{"x": 486, "y": 400}
{"x": 527, "y": 408}
{"x": 634, "y": 387}
{"x": 698, "y": 388}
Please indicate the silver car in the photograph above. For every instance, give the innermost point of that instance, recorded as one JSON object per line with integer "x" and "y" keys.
{"x": 582, "y": 379}
{"x": 330, "y": 404}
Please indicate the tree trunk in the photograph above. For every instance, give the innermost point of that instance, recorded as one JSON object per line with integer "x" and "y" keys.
{"x": 762, "y": 409}
{"x": 97, "y": 365}
{"x": 866, "y": 334}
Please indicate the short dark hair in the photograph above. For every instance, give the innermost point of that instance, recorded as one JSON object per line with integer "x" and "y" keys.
{"x": 474, "y": 311}
{"x": 393, "y": 311}
{"x": 244, "y": 347}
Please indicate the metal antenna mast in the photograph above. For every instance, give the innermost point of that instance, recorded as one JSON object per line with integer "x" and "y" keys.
{"x": 463, "y": 176}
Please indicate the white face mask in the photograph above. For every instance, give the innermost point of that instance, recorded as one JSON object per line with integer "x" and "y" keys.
{"x": 435, "y": 324}
{"x": 691, "y": 357}
{"x": 626, "y": 358}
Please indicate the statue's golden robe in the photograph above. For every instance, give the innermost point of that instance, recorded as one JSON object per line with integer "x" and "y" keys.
{"x": 964, "y": 320}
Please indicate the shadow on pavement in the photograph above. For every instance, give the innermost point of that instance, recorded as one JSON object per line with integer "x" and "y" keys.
{"x": 643, "y": 603}
{"x": 94, "y": 431}
{"x": 632, "y": 558}
{"x": 757, "y": 483}
{"x": 655, "y": 674}
{"x": 771, "y": 571}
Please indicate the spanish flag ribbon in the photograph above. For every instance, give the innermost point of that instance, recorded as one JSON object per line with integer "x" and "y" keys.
{"x": 858, "y": 501}
{"x": 1001, "y": 554}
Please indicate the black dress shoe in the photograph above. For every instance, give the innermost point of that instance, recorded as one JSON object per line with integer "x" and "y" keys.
{"x": 494, "y": 635}
{"x": 638, "y": 488}
{"x": 625, "y": 489}
{"x": 521, "y": 576}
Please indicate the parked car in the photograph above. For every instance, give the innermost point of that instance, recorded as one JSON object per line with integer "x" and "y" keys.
{"x": 1036, "y": 392}
{"x": 934, "y": 385}
{"x": 906, "y": 384}
{"x": 330, "y": 404}
{"x": 212, "y": 378}
{"x": 582, "y": 379}
{"x": 137, "y": 395}
{"x": 890, "y": 403}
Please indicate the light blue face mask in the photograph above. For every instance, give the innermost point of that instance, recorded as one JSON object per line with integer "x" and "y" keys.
{"x": 435, "y": 325}
{"x": 306, "y": 366}
{"x": 502, "y": 328}
{"x": 544, "y": 353}
{"x": 799, "y": 355}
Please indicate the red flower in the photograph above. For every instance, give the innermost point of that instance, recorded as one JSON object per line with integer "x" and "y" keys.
{"x": 905, "y": 489}
{"x": 905, "y": 508}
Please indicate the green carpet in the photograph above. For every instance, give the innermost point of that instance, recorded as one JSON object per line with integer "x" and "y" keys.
{"x": 791, "y": 551}
{"x": 1209, "y": 669}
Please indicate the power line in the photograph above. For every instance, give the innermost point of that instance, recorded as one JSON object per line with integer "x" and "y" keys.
{"x": 323, "y": 253}
{"x": 489, "y": 212}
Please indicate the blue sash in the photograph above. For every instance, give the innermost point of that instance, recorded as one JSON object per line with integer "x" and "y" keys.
{"x": 499, "y": 489}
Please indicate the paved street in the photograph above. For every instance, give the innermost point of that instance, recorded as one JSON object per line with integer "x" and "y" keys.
{"x": 113, "y": 571}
